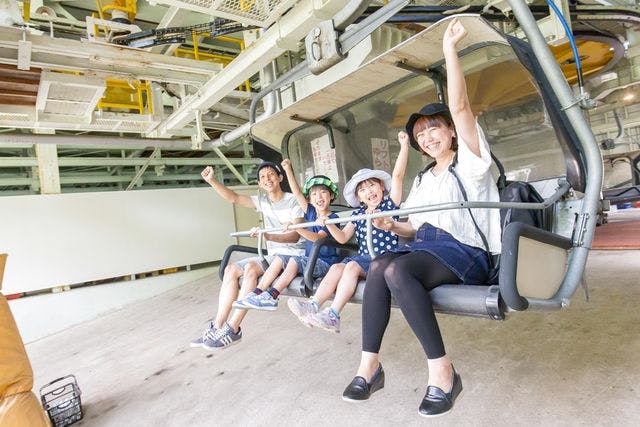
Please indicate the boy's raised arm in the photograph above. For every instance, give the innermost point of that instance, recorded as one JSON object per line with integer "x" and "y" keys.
{"x": 400, "y": 168}
{"x": 293, "y": 183}
{"x": 225, "y": 192}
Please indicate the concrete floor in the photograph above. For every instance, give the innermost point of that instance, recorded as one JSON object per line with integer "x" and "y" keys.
{"x": 579, "y": 366}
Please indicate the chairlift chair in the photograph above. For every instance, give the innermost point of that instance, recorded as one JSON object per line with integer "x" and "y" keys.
{"x": 532, "y": 123}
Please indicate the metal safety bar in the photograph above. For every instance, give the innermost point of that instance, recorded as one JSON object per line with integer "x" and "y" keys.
{"x": 560, "y": 191}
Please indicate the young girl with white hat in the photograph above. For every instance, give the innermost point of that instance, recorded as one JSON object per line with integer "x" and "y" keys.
{"x": 369, "y": 190}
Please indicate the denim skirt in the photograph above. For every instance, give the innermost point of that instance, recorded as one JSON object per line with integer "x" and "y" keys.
{"x": 469, "y": 263}
{"x": 364, "y": 261}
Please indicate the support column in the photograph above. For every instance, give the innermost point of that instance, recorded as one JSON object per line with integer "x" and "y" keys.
{"x": 48, "y": 171}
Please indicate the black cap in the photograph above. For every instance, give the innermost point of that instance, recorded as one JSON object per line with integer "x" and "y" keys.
{"x": 427, "y": 110}
{"x": 271, "y": 165}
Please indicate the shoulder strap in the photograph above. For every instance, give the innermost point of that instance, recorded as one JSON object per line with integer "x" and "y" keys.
{"x": 423, "y": 171}
{"x": 502, "y": 178}
{"x": 464, "y": 196}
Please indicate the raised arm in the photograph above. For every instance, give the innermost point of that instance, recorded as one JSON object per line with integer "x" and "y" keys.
{"x": 400, "y": 168}
{"x": 225, "y": 192}
{"x": 293, "y": 183}
{"x": 459, "y": 105}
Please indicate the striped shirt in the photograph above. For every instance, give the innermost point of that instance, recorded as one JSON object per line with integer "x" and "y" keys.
{"x": 275, "y": 215}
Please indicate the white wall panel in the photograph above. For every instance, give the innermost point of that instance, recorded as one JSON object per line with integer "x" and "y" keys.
{"x": 64, "y": 239}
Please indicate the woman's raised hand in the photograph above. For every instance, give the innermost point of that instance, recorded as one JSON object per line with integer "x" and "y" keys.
{"x": 453, "y": 34}
{"x": 403, "y": 138}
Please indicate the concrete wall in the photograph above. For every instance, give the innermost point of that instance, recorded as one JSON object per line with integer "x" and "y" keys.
{"x": 62, "y": 239}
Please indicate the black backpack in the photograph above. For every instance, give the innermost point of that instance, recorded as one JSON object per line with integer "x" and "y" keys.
{"x": 519, "y": 191}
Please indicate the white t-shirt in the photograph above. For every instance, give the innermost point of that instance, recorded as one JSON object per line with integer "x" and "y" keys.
{"x": 276, "y": 214}
{"x": 475, "y": 174}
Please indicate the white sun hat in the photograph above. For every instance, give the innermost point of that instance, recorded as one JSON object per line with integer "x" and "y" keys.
{"x": 349, "y": 191}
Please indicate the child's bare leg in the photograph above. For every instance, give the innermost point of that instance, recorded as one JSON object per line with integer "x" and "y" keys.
{"x": 290, "y": 272}
{"x": 272, "y": 272}
{"x": 329, "y": 283}
{"x": 347, "y": 285}
{"x": 249, "y": 282}
{"x": 228, "y": 293}
{"x": 250, "y": 279}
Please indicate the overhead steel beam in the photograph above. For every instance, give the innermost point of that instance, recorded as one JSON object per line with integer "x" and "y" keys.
{"x": 85, "y": 141}
{"x": 283, "y": 35}
{"x": 141, "y": 171}
{"x": 108, "y": 59}
{"x": 104, "y": 179}
{"x": 15, "y": 162}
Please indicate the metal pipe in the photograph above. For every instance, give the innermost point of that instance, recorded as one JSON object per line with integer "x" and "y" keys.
{"x": 269, "y": 105}
{"x": 562, "y": 189}
{"x": 349, "y": 13}
{"x": 586, "y": 223}
{"x": 85, "y": 141}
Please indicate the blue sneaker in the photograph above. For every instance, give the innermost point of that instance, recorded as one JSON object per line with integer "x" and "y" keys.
{"x": 200, "y": 340}
{"x": 240, "y": 303}
{"x": 264, "y": 301}
{"x": 221, "y": 338}
{"x": 302, "y": 309}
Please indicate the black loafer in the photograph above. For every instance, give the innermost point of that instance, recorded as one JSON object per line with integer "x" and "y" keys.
{"x": 360, "y": 390}
{"x": 437, "y": 402}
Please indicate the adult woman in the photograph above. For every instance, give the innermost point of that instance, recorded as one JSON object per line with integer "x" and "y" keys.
{"x": 446, "y": 249}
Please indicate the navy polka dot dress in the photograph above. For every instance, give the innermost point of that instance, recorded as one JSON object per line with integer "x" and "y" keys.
{"x": 383, "y": 241}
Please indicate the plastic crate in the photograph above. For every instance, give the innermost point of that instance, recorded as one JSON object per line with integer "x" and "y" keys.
{"x": 61, "y": 399}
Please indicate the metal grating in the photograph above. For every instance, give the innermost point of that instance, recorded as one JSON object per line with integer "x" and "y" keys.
{"x": 12, "y": 118}
{"x": 115, "y": 122}
{"x": 124, "y": 123}
{"x": 68, "y": 95}
{"x": 261, "y": 13}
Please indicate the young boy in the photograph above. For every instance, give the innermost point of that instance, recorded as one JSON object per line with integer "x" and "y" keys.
{"x": 278, "y": 208}
{"x": 367, "y": 189}
{"x": 315, "y": 199}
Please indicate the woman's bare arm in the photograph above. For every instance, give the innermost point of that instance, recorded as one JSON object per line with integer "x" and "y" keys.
{"x": 459, "y": 105}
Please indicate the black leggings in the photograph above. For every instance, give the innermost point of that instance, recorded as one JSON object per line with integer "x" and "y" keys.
{"x": 408, "y": 277}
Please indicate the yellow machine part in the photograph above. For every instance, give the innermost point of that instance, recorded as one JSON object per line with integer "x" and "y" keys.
{"x": 131, "y": 96}
{"x": 594, "y": 56}
{"x": 196, "y": 54}
{"x": 127, "y": 6}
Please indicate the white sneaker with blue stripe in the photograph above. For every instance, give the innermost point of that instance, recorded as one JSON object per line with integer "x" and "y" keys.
{"x": 264, "y": 301}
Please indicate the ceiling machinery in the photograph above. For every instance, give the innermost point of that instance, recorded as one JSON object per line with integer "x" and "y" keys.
{"x": 124, "y": 94}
